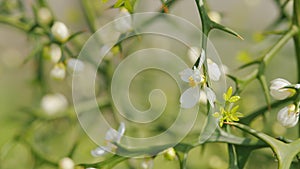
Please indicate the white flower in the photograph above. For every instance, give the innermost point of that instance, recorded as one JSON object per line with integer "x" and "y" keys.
{"x": 213, "y": 70}
{"x": 111, "y": 138}
{"x": 287, "y": 116}
{"x": 54, "y": 103}
{"x": 58, "y": 72}
{"x": 66, "y": 163}
{"x": 191, "y": 96}
{"x": 60, "y": 32}
{"x": 123, "y": 22}
{"x": 75, "y": 65}
{"x": 55, "y": 53}
{"x": 278, "y": 91}
{"x": 215, "y": 16}
{"x": 44, "y": 16}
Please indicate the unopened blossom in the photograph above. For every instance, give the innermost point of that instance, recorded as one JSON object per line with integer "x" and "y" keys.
{"x": 53, "y": 52}
{"x": 213, "y": 70}
{"x": 75, "y": 65}
{"x": 60, "y": 32}
{"x": 278, "y": 91}
{"x": 123, "y": 22}
{"x": 215, "y": 16}
{"x": 66, "y": 163}
{"x": 54, "y": 103}
{"x": 44, "y": 16}
{"x": 112, "y": 137}
{"x": 288, "y": 116}
{"x": 170, "y": 154}
{"x": 58, "y": 72}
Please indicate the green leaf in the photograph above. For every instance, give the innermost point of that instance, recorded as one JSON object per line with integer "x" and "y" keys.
{"x": 234, "y": 99}
{"x": 119, "y": 3}
{"x": 234, "y": 109}
{"x": 128, "y": 5}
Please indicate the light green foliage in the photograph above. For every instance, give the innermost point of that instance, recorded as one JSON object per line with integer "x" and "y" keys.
{"x": 229, "y": 113}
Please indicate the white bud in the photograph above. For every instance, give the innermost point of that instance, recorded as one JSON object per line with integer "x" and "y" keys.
{"x": 123, "y": 22}
{"x": 44, "y": 16}
{"x": 287, "y": 116}
{"x": 58, "y": 72}
{"x": 215, "y": 16}
{"x": 60, "y": 32}
{"x": 55, "y": 53}
{"x": 75, "y": 65}
{"x": 66, "y": 163}
{"x": 54, "y": 103}
{"x": 278, "y": 91}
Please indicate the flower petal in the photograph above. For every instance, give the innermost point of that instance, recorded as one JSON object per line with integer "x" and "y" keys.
{"x": 186, "y": 74}
{"x": 121, "y": 132}
{"x": 213, "y": 70}
{"x": 211, "y": 96}
{"x": 277, "y": 91}
{"x": 190, "y": 97}
{"x": 286, "y": 118}
{"x": 99, "y": 151}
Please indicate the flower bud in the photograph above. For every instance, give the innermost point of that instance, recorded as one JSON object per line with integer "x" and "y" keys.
{"x": 215, "y": 16}
{"x": 44, "y": 16}
{"x": 287, "y": 116}
{"x": 52, "y": 52}
{"x": 123, "y": 22}
{"x": 54, "y": 103}
{"x": 66, "y": 163}
{"x": 75, "y": 65}
{"x": 278, "y": 91}
{"x": 60, "y": 32}
{"x": 58, "y": 72}
{"x": 170, "y": 154}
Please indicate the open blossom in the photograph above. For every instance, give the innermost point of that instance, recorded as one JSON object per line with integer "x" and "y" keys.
{"x": 111, "y": 138}
{"x": 278, "y": 91}
{"x": 123, "y": 22}
{"x": 191, "y": 96}
{"x": 288, "y": 116}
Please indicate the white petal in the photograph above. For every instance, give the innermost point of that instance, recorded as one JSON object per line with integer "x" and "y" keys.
{"x": 286, "y": 118}
{"x": 211, "y": 96}
{"x": 186, "y": 74}
{"x": 203, "y": 98}
{"x": 99, "y": 151}
{"x": 190, "y": 97}
{"x": 202, "y": 58}
{"x": 277, "y": 91}
{"x": 121, "y": 132}
{"x": 213, "y": 70}
{"x": 111, "y": 135}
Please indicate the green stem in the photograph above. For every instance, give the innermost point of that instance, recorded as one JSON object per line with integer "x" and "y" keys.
{"x": 296, "y": 38}
{"x": 15, "y": 23}
{"x": 89, "y": 15}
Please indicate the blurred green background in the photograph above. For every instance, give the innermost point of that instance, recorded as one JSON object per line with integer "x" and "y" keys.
{"x": 53, "y": 139}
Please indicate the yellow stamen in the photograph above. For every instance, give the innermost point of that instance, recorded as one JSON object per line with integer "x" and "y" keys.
{"x": 192, "y": 82}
